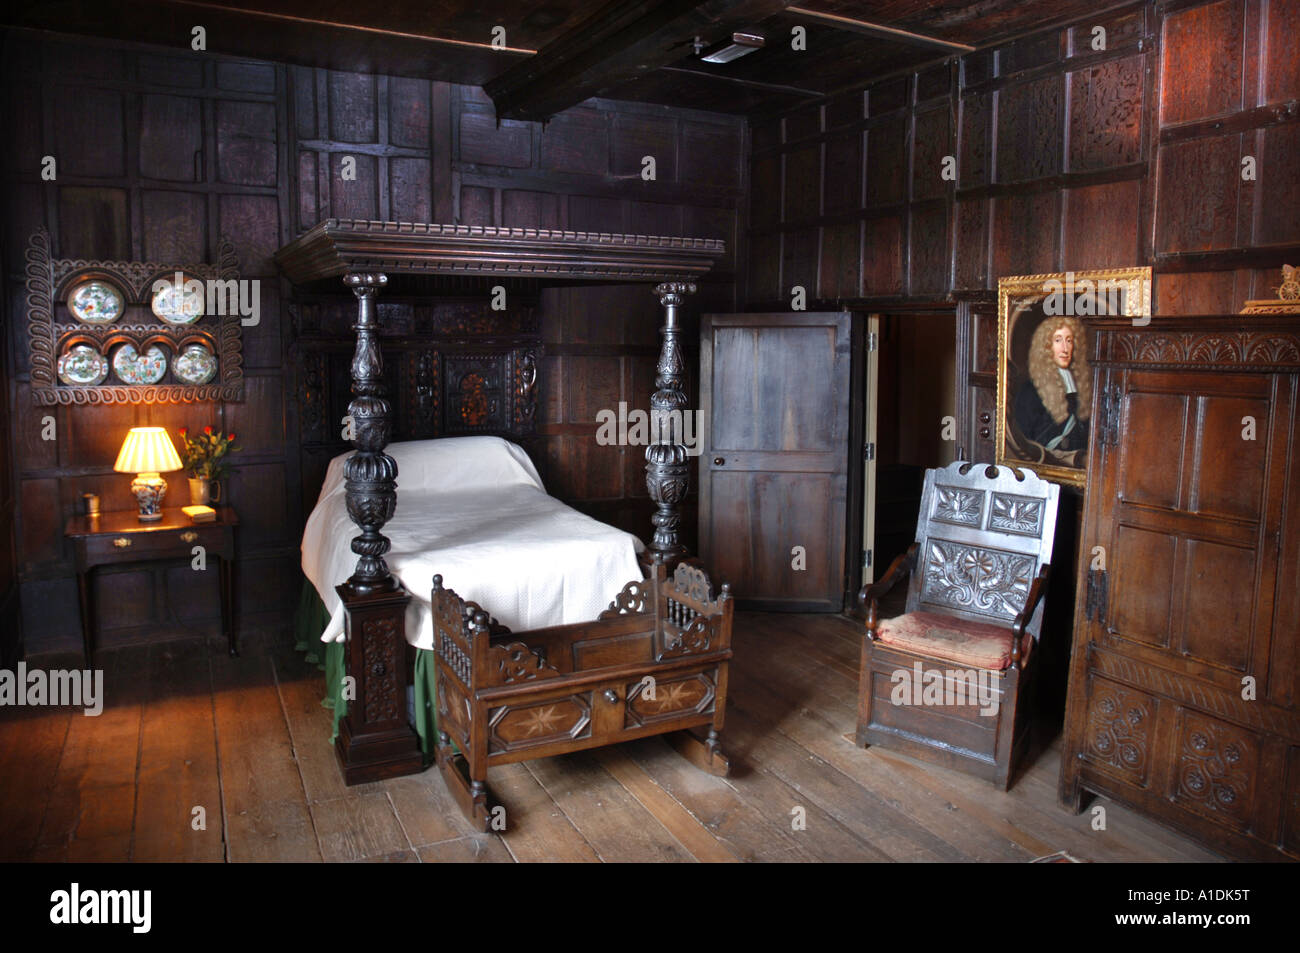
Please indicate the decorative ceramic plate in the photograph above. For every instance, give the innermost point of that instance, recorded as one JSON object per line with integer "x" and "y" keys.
{"x": 95, "y": 302}
{"x": 131, "y": 367}
{"x": 178, "y": 304}
{"x": 195, "y": 365}
{"x": 82, "y": 365}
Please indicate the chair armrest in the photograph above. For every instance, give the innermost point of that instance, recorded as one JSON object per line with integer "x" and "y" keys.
{"x": 869, "y": 596}
{"x": 1037, "y": 590}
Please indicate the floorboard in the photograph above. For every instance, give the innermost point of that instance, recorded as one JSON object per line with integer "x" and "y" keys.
{"x": 246, "y": 740}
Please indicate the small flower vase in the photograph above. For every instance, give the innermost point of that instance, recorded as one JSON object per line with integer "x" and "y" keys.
{"x": 204, "y": 491}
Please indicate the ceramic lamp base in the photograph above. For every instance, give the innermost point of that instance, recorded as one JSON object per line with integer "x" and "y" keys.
{"x": 149, "y": 490}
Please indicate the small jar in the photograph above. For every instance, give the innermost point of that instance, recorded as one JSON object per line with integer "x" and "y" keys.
{"x": 92, "y": 504}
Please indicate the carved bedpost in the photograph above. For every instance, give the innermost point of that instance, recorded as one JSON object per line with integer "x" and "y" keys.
{"x": 667, "y": 473}
{"x": 375, "y": 739}
{"x": 371, "y": 474}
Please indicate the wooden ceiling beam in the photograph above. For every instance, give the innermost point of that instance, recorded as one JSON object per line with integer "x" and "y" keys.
{"x": 880, "y": 31}
{"x": 618, "y": 43}
{"x": 750, "y": 83}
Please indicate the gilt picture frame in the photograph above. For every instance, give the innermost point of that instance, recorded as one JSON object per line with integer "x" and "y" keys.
{"x": 1044, "y": 393}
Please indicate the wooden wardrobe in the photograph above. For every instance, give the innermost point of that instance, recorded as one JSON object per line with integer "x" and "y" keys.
{"x": 1185, "y": 669}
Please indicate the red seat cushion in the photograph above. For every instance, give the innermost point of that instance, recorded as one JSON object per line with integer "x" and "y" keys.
{"x": 977, "y": 644}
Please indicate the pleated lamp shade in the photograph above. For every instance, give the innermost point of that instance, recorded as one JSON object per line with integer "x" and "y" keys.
{"x": 147, "y": 450}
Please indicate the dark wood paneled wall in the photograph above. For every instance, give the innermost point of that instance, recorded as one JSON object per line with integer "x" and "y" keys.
{"x": 157, "y": 156}
{"x": 10, "y": 625}
{"x": 1067, "y": 157}
{"x": 160, "y": 153}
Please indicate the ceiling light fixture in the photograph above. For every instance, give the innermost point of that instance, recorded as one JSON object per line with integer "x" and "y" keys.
{"x": 724, "y": 51}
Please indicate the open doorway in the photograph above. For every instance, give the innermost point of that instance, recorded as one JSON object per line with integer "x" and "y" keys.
{"x": 916, "y": 428}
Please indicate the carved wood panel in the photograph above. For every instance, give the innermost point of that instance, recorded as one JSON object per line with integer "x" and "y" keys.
{"x": 882, "y": 257}
{"x": 1202, "y": 58}
{"x": 1029, "y": 129}
{"x": 928, "y": 261}
{"x": 972, "y": 244}
{"x": 803, "y": 184}
{"x": 843, "y": 186}
{"x": 1106, "y": 108}
{"x": 1278, "y": 191}
{"x": 976, "y": 136}
{"x": 979, "y": 579}
{"x": 384, "y": 669}
{"x": 1210, "y": 170}
{"x": 1101, "y": 225}
{"x": 931, "y": 142}
{"x": 1119, "y": 729}
{"x": 1025, "y": 233}
{"x": 886, "y": 158}
{"x": 1215, "y": 768}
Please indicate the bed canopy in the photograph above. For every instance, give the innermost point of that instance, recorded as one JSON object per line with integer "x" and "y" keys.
{"x": 375, "y": 739}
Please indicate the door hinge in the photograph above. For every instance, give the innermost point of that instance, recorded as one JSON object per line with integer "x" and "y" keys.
{"x": 866, "y": 559}
{"x": 868, "y": 451}
{"x": 873, "y": 341}
{"x": 1109, "y": 409}
{"x": 1095, "y": 598}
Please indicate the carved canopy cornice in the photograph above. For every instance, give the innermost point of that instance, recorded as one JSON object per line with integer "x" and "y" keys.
{"x": 340, "y": 246}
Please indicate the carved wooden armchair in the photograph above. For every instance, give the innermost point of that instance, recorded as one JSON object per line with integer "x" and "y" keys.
{"x": 947, "y": 681}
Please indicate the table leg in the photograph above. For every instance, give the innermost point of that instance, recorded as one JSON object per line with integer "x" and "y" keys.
{"x": 86, "y": 598}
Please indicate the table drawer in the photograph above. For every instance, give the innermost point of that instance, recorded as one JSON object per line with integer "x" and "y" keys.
{"x": 160, "y": 544}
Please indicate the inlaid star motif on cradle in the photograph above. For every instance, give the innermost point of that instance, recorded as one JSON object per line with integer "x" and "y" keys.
{"x": 674, "y": 696}
{"x": 541, "y": 721}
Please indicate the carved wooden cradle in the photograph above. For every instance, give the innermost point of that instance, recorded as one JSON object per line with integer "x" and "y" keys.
{"x": 655, "y": 662}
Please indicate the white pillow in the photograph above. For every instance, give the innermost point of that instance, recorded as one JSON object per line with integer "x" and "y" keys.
{"x": 449, "y": 464}
{"x": 462, "y": 463}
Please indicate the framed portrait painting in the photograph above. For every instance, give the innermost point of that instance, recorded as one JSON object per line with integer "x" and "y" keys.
{"x": 1044, "y": 401}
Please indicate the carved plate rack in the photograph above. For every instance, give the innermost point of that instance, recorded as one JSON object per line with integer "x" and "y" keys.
{"x": 52, "y": 329}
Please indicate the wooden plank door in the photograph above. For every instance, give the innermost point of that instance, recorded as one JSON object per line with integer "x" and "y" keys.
{"x": 775, "y": 392}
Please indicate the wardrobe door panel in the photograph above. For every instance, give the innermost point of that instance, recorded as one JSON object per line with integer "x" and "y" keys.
{"x": 1230, "y": 463}
{"x": 1151, "y": 456}
{"x": 1216, "y": 629}
{"x": 1143, "y": 585}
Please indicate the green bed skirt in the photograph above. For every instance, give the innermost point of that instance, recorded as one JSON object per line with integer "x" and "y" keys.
{"x": 311, "y": 620}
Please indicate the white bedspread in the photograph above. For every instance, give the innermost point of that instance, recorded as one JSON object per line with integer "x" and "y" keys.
{"x": 474, "y": 510}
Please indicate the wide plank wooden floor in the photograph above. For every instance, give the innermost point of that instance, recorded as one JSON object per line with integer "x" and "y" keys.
{"x": 200, "y": 757}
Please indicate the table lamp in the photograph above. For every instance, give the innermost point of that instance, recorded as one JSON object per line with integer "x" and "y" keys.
{"x": 148, "y": 452}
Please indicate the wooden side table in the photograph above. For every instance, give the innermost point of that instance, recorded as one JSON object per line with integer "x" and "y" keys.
{"x": 115, "y": 539}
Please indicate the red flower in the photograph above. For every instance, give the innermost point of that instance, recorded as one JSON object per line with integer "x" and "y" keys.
{"x": 182, "y": 431}
{"x": 230, "y": 437}
{"x": 207, "y": 430}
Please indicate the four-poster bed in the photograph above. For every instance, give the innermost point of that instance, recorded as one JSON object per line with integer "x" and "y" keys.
{"x": 654, "y": 662}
